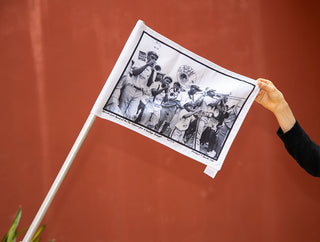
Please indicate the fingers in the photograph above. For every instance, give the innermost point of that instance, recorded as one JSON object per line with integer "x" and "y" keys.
{"x": 259, "y": 96}
{"x": 264, "y": 80}
{"x": 266, "y": 85}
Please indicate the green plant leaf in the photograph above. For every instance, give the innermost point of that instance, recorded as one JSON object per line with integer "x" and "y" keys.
{"x": 13, "y": 229}
{"x": 37, "y": 235}
{"x": 22, "y": 231}
{"x": 4, "y": 238}
{"x": 12, "y": 234}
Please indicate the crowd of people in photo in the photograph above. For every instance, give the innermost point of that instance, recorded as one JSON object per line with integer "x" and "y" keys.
{"x": 200, "y": 118}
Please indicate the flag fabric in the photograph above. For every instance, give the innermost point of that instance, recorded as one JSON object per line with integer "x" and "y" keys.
{"x": 175, "y": 97}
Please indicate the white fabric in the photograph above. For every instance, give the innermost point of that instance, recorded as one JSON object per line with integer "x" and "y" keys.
{"x": 233, "y": 92}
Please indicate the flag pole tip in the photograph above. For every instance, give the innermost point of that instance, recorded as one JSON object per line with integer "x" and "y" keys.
{"x": 140, "y": 22}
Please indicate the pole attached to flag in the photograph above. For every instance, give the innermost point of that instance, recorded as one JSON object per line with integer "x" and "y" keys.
{"x": 58, "y": 181}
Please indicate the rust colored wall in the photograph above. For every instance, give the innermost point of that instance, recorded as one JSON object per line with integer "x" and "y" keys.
{"x": 55, "y": 58}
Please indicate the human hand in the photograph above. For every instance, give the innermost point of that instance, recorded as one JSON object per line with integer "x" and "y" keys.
{"x": 272, "y": 99}
{"x": 151, "y": 62}
{"x": 269, "y": 96}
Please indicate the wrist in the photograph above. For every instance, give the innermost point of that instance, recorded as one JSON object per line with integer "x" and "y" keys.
{"x": 281, "y": 108}
{"x": 284, "y": 116}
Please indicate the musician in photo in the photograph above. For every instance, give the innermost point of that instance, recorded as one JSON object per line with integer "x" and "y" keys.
{"x": 169, "y": 107}
{"x": 184, "y": 117}
{"x": 115, "y": 103}
{"x": 193, "y": 96}
{"x": 207, "y": 121}
{"x": 151, "y": 113}
{"x": 213, "y": 139}
{"x": 137, "y": 85}
{"x": 227, "y": 116}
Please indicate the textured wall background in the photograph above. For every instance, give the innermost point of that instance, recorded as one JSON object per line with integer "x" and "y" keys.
{"x": 55, "y": 58}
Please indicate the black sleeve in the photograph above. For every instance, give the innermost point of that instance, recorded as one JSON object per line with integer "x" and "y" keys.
{"x": 302, "y": 149}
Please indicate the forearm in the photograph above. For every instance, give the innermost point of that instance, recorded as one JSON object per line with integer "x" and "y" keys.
{"x": 302, "y": 149}
{"x": 284, "y": 116}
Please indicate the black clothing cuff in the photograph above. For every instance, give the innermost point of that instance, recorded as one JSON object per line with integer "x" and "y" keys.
{"x": 291, "y": 134}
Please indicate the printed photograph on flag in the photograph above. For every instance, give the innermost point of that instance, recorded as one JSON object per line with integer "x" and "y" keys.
{"x": 177, "y": 98}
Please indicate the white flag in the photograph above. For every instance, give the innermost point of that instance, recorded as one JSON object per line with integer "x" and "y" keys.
{"x": 175, "y": 97}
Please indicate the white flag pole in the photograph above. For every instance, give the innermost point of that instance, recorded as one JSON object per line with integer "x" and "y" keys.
{"x": 57, "y": 182}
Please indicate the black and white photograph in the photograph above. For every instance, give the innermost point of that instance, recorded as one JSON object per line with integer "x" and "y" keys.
{"x": 169, "y": 93}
